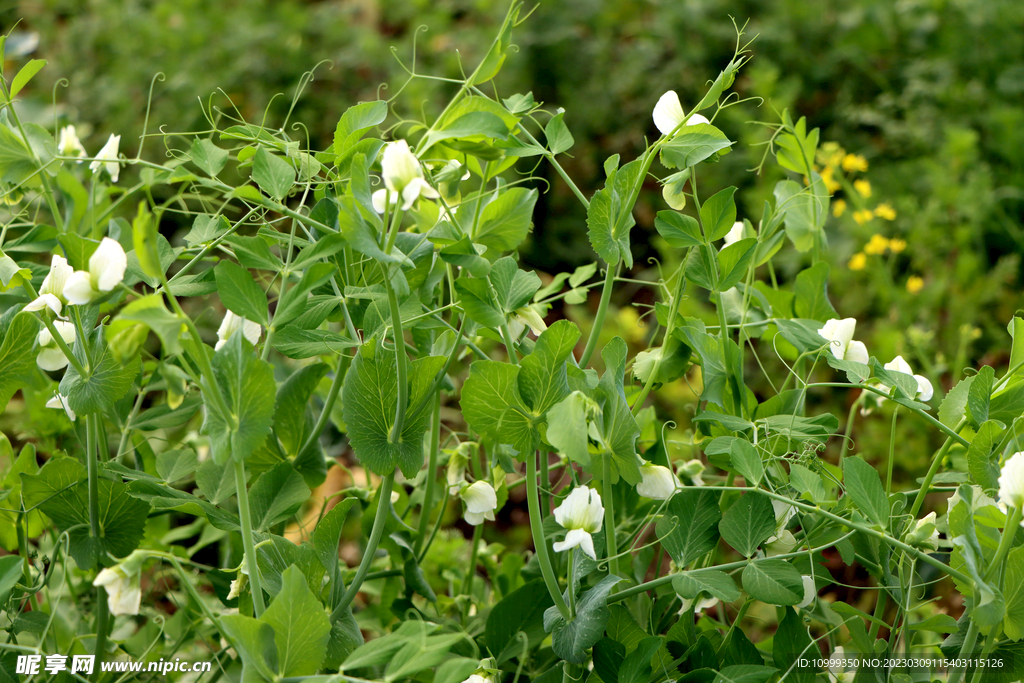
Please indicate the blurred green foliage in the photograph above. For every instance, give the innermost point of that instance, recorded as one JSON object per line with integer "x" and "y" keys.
{"x": 929, "y": 92}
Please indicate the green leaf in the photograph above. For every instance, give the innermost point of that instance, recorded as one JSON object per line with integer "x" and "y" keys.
{"x": 11, "y": 274}
{"x": 240, "y": 294}
{"x": 505, "y": 222}
{"x": 369, "y": 399}
{"x": 492, "y": 406}
{"x": 979, "y": 395}
{"x": 1013, "y": 590}
{"x": 247, "y": 386}
{"x": 811, "y": 290}
{"x": 295, "y": 342}
{"x": 522, "y": 610}
{"x": 300, "y": 626}
{"x": 713, "y": 582}
{"x": 477, "y": 301}
{"x": 62, "y": 493}
{"x": 790, "y": 644}
{"x": 1016, "y": 330}
{"x": 274, "y": 175}
{"x": 253, "y": 252}
{"x": 748, "y": 523}
{"x": 804, "y": 211}
{"x": 747, "y": 461}
{"x": 109, "y": 378}
{"x": 513, "y": 288}
{"x": 733, "y": 262}
{"x": 718, "y": 213}
{"x": 354, "y": 123}
{"x": 984, "y": 471}
{"x": 208, "y": 157}
{"x": 636, "y": 666}
{"x": 692, "y": 145}
{"x": 864, "y": 486}
{"x": 689, "y": 528}
{"x": 542, "y": 378}
{"x": 776, "y": 582}
{"x": 610, "y": 215}
{"x": 567, "y": 427}
{"x": 472, "y": 124}
{"x": 17, "y": 360}
{"x": 954, "y": 406}
{"x": 291, "y": 412}
{"x": 744, "y": 673}
{"x": 569, "y": 640}
{"x": 25, "y": 75}
{"x": 254, "y": 641}
{"x": 618, "y": 430}
{"x": 293, "y": 303}
{"x": 276, "y": 495}
{"x": 557, "y": 134}
{"x": 176, "y": 464}
{"x": 678, "y": 229}
{"x": 10, "y": 574}
{"x": 151, "y": 312}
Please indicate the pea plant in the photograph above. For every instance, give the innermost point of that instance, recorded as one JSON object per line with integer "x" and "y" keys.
{"x": 184, "y": 494}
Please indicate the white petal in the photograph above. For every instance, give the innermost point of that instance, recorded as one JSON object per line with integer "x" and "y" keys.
{"x": 695, "y": 119}
{"x": 378, "y": 198}
{"x": 65, "y": 330}
{"x": 736, "y": 233}
{"x": 576, "y": 538}
{"x": 925, "y": 391}
{"x": 107, "y": 264}
{"x": 106, "y": 158}
{"x": 857, "y": 352}
{"x": 477, "y": 518}
{"x": 399, "y": 166}
{"x": 59, "y": 402}
{"x": 810, "y": 592}
{"x": 251, "y": 331}
{"x": 45, "y": 301}
{"x": 417, "y": 187}
{"x": 668, "y": 112}
{"x": 51, "y": 359}
{"x": 480, "y": 497}
{"x": 897, "y": 364}
{"x": 58, "y": 276}
{"x": 78, "y": 289}
{"x": 840, "y": 333}
{"x": 657, "y": 483}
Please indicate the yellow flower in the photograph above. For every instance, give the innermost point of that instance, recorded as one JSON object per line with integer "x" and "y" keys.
{"x": 885, "y": 211}
{"x": 876, "y": 245}
{"x": 830, "y": 182}
{"x": 838, "y": 208}
{"x": 830, "y": 154}
{"x": 857, "y": 261}
{"x": 915, "y": 284}
{"x": 863, "y": 188}
{"x": 897, "y": 245}
{"x": 862, "y": 216}
{"x": 854, "y": 162}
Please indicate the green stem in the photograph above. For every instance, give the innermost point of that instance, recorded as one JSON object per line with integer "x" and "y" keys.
{"x": 332, "y": 395}
{"x": 383, "y": 508}
{"x": 540, "y": 544}
{"x": 995, "y": 569}
{"x": 892, "y": 452}
{"x": 933, "y": 469}
{"x": 880, "y": 604}
{"x": 506, "y": 336}
{"x": 970, "y": 639}
{"x": 467, "y": 583}
{"x": 850, "y": 417}
{"x": 401, "y": 360}
{"x": 572, "y": 591}
{"x": 611, "y": 551}
{"x": 247, "y": 544}
{"x": 92, "y": 468}
{"x": 428, "y": 495}
{"x": 545, "y": 478}
{"x": 602, "y": 311}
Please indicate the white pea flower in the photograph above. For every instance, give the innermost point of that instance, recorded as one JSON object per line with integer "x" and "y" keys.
{"x": 480, "y": 500}
{"x": 843, "y": 346}
{"x": 924, "y": 387}
{"x": 106, "y": 158}
{"x": 58, "y": 401}
{"x": 403, "y": 174}
{"x": 477, "y": 678}
{"x": 240, "y": 581}
{"x": 1011, "y": 482}
{"x": 783, "y": 513}
{"x": 231, "y": 324}
{"x": 456, "y": 475}
{"x": 69, "y": 145}
{"x": 122, "y": 583}
{"x": 582, "y": 514}
{"x": 657, "y": 482}
{"x": 668, "y": 114}
{"x": 528, "y": 315}
{"x": 692, "y": 469}
{"x": 835, "y": 667}
{"x": 735, "y": 234}
{"x": 106, "y": 270}
{"x": 51, "y": 294}
{"x": 702, "y": 604}
{"x": 378, "y": 198}
{"x": 784, "y": 543}
{"x": 924, "y": 534}
{"x": 51, "y": 357}
{"x": 810, "y": 592}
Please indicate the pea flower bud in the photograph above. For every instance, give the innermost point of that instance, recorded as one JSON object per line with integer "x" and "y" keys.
{"x": 529, "y": 316}
{"x": 480, "y": 500}
{"x": 668, "y": 114}
{"x": 924, "y": 387}
{"x": 69, "y": 145}
{"x": 810, "y": 592}
{"x": 106, "y": 159}
{"x": 924, "y": 534}
{"x": 843, "y": 346}
{"x": 582, "y": 514}
{"x": 701, "y": 605}
{"x": 51, "y": 357}
{"x": 233, "y": 323}
{"x": 692, "y": 469}
{"x": 51, "y": 294}
{"x": 657, "y": 482}
{"x": 59, "y": 401}
{"x": 403, "y": 174}
{"x": 122, "y": 583}
{"x": 1011, "y": 482}
{"x": 106, "y": 269}
{"x": 784, "y": 543}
